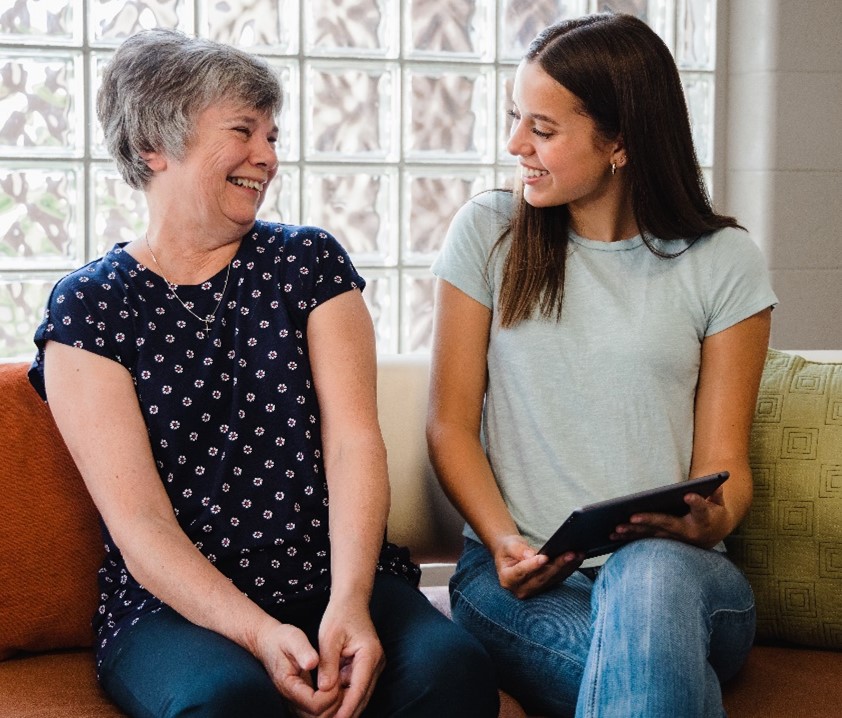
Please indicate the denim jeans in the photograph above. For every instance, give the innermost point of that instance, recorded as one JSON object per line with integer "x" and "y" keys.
{"x": 663, "y": 623}
{"x": 165, "y": 666}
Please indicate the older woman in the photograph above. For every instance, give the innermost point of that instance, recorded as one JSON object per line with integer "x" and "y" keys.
{"x": 214, "y": 380}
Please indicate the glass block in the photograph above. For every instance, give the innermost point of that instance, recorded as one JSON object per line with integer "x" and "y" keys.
{"x": 698, "y": 88}
{"x": 42, "y": 21}
{"x": 359, "y": 207}
{"x": 352, "y": 112}
{"x": 41, "y": 216}
{"x": 281, "y": 203}
{"x": 39, "y": 104}
{"x": 254, "y": 24}
{"x": 418, "y": 299}
{"x": 505, "y": 86}
{"x": 118, "y": 212}
{"x": 97, "y": 66}
{"x": 23, "y": 298}
{"x": 696, "y": 45}
{"x": 707, "y": 173}
{"x": 111, "y": 21}
{"x": 456, "y": 30}
{"x": 449, "y": 115}
{"x": 430, "y": 201}
{"x": 381, "y": 298}
{"x": 289, "y": 124}
{"x": 506, "y": 180}
{"x": 362, "y": 28}
{"x": 658, "y": 14}
{"x": 522, "y": 20}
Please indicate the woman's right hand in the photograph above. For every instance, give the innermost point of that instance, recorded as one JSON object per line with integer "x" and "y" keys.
{"x": 525, "y": 572}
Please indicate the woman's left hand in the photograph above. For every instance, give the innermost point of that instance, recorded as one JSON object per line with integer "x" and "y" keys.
{"x": 350, "y": 655}
{"x": 707, "y": 523}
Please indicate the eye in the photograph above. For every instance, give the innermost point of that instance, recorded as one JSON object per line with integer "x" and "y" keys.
{"x": 541, "y": 134}
{"x": 514, "y": 115}
{"x": 245, "y": 131}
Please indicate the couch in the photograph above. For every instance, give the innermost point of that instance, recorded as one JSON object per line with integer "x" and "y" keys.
{"x": 790, "y": 546}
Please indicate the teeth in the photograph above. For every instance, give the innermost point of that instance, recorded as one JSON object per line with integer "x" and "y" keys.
{"x": 530, "y": 173}
{"x": 242, "y": 182}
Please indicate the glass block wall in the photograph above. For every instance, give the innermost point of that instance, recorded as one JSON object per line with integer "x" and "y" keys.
{"x": 395, "y": 116}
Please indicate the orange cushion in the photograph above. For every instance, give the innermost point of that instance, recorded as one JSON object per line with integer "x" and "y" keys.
{"x": 50, "y": 543}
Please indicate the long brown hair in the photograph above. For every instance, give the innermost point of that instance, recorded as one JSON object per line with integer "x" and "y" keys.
{"x": 628, "y": 84}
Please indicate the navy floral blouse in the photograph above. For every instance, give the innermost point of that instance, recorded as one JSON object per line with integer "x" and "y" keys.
{"x": 232, "y": 413}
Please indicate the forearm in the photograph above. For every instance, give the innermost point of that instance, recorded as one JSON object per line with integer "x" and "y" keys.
{"x": 358, "y": 487}
{"x": 161, "y": 557}
{"x": 737, "y": 491}
{"x": 464, "y": 473}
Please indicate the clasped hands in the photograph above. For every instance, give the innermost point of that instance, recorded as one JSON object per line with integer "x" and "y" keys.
{"x": 347, "y": 664}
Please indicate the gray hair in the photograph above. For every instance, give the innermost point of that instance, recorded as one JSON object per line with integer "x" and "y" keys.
{"x": 159, "y": 81}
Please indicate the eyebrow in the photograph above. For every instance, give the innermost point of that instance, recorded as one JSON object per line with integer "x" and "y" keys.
{"x": 538, "y": 116}
{"x": 542, "y": 118}
{"x": 251, "y": 120}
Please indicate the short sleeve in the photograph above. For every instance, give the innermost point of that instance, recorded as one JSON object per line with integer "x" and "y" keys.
{"x": 316, "y": 268}
{"x": 473, "y": 233}
{"x": 739, "y": 282}
{"x": 87, "y": 309}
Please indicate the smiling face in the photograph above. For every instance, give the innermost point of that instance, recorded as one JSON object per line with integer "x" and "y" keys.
{"x": 563, "y": 159}
{"x": 222, "y": 179}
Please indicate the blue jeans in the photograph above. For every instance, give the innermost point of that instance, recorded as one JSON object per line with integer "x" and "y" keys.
{"x": 165, "y": 666}
{"x": 652, "y": 636}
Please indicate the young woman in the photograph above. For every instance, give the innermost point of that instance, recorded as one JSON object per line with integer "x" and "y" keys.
{"x": 599, "y": 330}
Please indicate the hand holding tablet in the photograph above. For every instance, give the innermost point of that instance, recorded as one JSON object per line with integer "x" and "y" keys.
{"x": 588, "y": 529}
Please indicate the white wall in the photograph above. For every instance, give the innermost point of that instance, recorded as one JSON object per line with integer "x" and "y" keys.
{"x": 783, "y": 155}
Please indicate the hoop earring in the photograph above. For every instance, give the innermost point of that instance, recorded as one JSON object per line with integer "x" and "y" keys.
{"x": 613, "y": 168}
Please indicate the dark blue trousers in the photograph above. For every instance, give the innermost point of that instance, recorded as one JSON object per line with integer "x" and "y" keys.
{"x": 167, "y": 667}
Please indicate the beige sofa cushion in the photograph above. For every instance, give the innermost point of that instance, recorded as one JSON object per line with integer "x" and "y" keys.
{"x": 790, "y": 545}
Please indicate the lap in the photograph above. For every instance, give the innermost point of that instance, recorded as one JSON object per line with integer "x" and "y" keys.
{"x": 546, "y": 640}
{"x": 167, "y": 666}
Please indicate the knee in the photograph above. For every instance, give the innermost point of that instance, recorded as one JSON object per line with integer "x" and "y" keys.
{"x": 452, "y": 675}
{"x": 228, "y": 694}
{"x": 654, "y": 572}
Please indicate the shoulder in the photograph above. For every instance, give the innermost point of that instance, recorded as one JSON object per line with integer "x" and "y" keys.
{"x": 729, "y": 247}
{"x": 300, "y": 239}
{"x": 99, "y": 277}
{"x": 480, "y": 223}
{"x": 488, "y": 209}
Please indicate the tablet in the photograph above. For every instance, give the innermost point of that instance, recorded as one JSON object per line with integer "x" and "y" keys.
{"x": 588, "y": 529}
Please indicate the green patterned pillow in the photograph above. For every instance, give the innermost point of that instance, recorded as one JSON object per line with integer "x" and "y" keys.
{"x": 790, "y": 545}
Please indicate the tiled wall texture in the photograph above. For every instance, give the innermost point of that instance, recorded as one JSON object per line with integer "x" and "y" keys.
{"x": 783, "y": 156}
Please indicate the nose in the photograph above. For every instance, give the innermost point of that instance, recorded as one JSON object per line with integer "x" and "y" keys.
{"x": 518, "y": 144}
{"x": 265, "y": 154}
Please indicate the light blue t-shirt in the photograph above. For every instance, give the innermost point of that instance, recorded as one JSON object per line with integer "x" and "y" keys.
{"x": 600, "y": 403}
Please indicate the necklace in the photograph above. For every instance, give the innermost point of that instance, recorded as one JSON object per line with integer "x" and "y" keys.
{"x": 208, "y": 319}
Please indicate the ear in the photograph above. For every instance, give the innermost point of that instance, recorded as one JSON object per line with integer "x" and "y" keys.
{"x": 156, "y": 161}
{"x": 619, "y": 156}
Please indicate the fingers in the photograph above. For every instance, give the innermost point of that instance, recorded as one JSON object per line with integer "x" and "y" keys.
{"x": 359, "y": 676}
{"x": 290, "y": 659}
{"x": 525, "y": 580}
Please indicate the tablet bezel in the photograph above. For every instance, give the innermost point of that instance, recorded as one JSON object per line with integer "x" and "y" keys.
{"x": 588, "y": 528}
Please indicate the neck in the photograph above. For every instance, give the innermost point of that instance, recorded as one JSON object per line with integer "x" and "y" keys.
{"x": 610, "y": 219}
{"x": 179, "y": 260}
